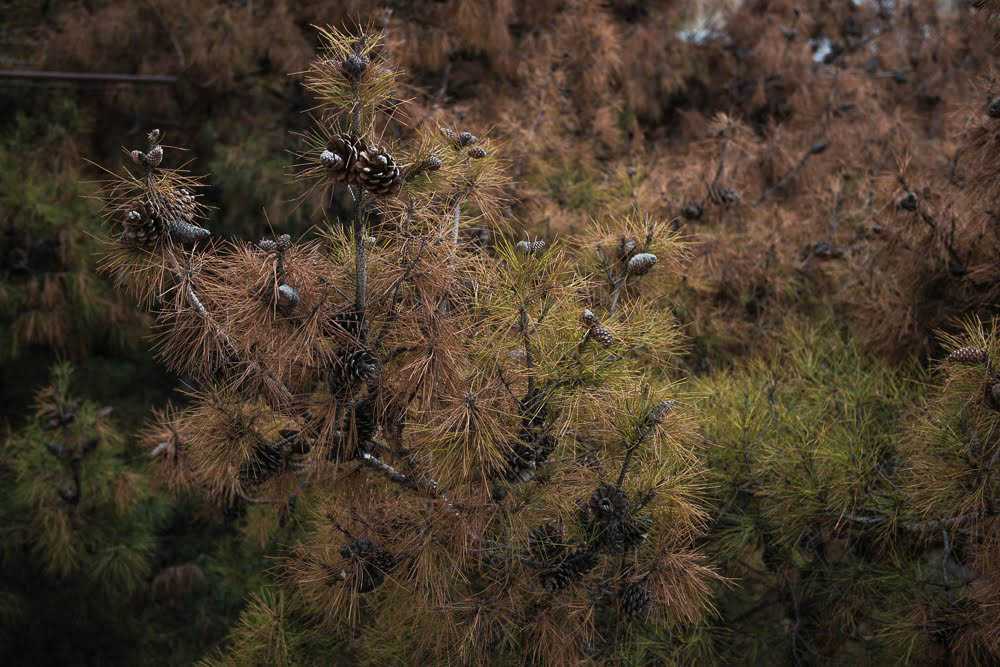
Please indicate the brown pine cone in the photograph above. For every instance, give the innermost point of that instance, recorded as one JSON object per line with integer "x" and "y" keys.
{"x": 141, "y": 230}
{"x": 723, "y": 196}
{"x": 640, "y": 264}
{"x": 340, "y": 157}
{"x": 530, "y": 247}
{"x": 377, "y": 172}
{"x": 602, "y": 335}
{"x": 634, "y": 598}
{"x": 597, "y": 331}
{"x": 969, "y": 355}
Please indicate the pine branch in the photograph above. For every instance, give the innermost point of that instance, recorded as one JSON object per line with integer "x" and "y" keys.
{"x": 429, "y": 486}
{"x": 653, "y": 419}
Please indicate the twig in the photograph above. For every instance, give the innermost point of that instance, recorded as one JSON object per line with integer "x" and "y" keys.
{"x": 429, "y": 486}
{"x": 85, "y": 77}
{"x": 360, "y": 260}
{"x": 358, "y": 227}
{"x": 456, "y": 221}
{"x": 528, "y": 359}
{"x": 616, "y": 293}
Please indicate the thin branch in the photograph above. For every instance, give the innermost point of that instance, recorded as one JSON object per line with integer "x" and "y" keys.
{"x": 646, "y": 429}
{"x": 429, "y": 486}
{"x": 526, "y": 340}
{"x": 456, "y": 221}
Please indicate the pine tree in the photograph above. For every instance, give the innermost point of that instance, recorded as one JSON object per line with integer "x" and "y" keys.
{"x": 426, "y": 402}
{"x": 78, "y": 526}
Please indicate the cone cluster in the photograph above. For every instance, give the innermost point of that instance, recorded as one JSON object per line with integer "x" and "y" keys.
{"x": 352, "y": 161}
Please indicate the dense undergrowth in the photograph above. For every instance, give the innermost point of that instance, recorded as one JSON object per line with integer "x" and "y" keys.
{"x": 829, "y": 167}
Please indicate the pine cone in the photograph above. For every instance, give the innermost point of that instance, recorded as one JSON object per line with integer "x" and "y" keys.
{"x": 634, "y": 531}
{"x": 382, "y": 560}
{"x": 573, "y": 568}
{"x": 348, "y": 322}
{"x": 288, "y": 297}
{"x": 634, "y": 598}
{"x": 908, "y": 202}
{"x": 187, "y": 233}
{"x": 608, "y": 502}
{"x": 534, "y": 444}
{"x": 141, "y": 230}
{"x": 641, "y": 264}
{"x": 267, "y": 461}
{"x": 556, "y": 579}
{"x": 477, "y": 152}
{"x": 819, "y": 147}
{"x": 530, "y": 247}
{"x": 597, "y": 331}
{"x": 660, "y": 411}
{"x": 602, "y": 335}
{"x": 359, "y": 548}
{"x": 993, "y": 108}
{"x": 608, "y": 522}
{"x": 170, "y": 213}
{"x": 723, "y": 196}
{"x": 377, "y": 172}
{"x": 340, "y": 156}
{"x": 547, "y": 543}
{"x": 354, "y": 67}
{"x": 432, "y": 163}
{"x": 362, "y": 365}
{"x": 626, "y": 248}
{"x": 969, "y": 355}
{"x": 373, "y": 563}
{"x": 693, "y": 211}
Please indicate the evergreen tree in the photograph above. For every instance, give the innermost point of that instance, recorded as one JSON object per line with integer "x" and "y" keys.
{"x": 78, "y": 526}
{"x": 467, "y": 423}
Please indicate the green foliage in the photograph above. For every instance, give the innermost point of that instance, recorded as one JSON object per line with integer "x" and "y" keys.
{"x": 92, "y": 562}
{"x": 49, "y": 294}
{"x": 71, "y": 500}
{"x": 802, "y": 444}
{"x": 264, "y": 635}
